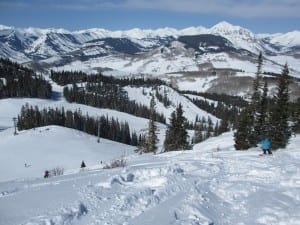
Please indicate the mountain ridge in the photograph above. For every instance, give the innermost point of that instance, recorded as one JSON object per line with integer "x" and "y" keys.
{"x": 222, "y": 49}
{"x": 194, "y": 30}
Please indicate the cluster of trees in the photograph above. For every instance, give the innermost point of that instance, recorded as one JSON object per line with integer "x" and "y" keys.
{"x": 176, "y": 134}
{"x": 227, "y": 107}
{"x": 228, "y": 114}
{"x": 108, "y": 95}
{"x": 110, "y": 128}
{"x": 163, "y": 98}
{"x": 264, "y": 117}
{"x": 71, "y": 77}
{"x": 176, "y": 137}
{"x": 68, "y": 77}
{"x": 204, "y": 129}
{"x": 150, "y": 139}
{"x": 19, "y": 81}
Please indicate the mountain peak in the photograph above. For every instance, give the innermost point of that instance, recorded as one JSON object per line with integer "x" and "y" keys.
{"x": 224, "y": 26}
{"x": 3, "y": 27}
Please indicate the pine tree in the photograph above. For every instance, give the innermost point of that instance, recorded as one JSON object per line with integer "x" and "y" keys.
{"x": 256, "y": 103}
{"x": 280, "y": 113}
{"x": 82, "y": 165}
{"x": 241, "y": 136}
{"x": 151, "y": 139}
{"x": 169, "y": 143}
{"x": 181, "y": 134}
{"x": 249, "y": 125}
{"x": 296, "y": 117}
{"x": 176, "y": 134}
{"x": 263, "y": 114}
{"x": 198, "y": 136}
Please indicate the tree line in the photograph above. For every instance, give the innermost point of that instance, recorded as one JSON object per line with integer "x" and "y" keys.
{"x": 268, "y": 117}
{"x": 19, "y": 81}
{"x": 70, "y": 77}
{"x": 109, "y": 128}
{"x": 108, "y": 95}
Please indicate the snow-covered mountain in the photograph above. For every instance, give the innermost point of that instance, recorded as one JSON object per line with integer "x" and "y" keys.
{"x": 169, "y": 53}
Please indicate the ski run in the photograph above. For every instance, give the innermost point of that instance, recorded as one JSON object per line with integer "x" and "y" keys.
{"x": 212, "y": 184}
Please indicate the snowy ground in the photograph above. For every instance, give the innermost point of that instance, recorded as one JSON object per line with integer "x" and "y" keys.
{"x": 211, "y": 184}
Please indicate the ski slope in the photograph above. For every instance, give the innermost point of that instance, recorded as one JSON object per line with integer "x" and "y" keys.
{"x": 143, "y": 96}
{"x": 46, "y": 148}
{"x": 211, "y": 184}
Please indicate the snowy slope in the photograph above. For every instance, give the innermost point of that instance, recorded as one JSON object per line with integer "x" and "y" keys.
{"x": 212, "y": 184}
{"x": 190, "y": 110}
{"x": 46, "y": 148}
{"x": 289, "y": 39}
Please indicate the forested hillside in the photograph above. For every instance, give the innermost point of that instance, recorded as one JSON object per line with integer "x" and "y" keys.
{"x": 19, "y": 81}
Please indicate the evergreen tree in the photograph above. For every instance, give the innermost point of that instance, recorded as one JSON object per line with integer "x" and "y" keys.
{"x": 249, "y": 126}
{"x": 181, "y": 134}
{"x": 241, "y": 136}
{"x": 169, "y": 144}
{"x": 82, "y": 165}
{"x": 263, "y": 114}
{"x": 198, "y": 136}
{"x": 280, "y": 113}
{"x": 296, "y": 117}
{"x": 151, "y": 140}
{"x": 176, "y": 134}
{"x": 256, "y": 104}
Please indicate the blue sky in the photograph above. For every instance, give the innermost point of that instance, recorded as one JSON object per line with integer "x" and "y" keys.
{"x": 260, "y": 16}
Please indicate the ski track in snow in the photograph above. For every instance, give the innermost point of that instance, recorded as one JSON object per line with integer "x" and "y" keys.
{"x": 192, "y": 187}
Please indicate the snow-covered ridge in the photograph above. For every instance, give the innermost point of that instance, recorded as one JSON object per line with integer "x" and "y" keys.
{"x": 156, "y": 52}
{"x": 223, "y": 28}
{"x": 132, "y": 33}
{"x": 289, "y": 39}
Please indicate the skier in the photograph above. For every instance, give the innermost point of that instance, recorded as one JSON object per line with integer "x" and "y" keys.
{"x": 265, "y": 145}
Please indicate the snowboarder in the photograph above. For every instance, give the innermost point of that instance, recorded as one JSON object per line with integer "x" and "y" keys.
{"x": 265, "y": 145}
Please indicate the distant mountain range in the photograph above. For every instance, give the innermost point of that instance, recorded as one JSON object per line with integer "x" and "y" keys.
{"x": 166, "y": 52}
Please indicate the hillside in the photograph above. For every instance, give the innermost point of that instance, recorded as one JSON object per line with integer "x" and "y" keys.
{"x": 46, "y": 148}
{"x": 212, "y": 184}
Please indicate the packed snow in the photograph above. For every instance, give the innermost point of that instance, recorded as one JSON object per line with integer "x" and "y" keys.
{"x": 211, "y": 184}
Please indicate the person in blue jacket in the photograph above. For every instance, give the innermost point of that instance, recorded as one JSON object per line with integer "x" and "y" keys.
{"x": 265, "y": 145}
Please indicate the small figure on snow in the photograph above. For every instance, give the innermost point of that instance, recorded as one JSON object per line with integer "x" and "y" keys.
{"x": 82, "y": 164}
{"x": 47, "y": 174}
{"x": 265, "y": 145}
